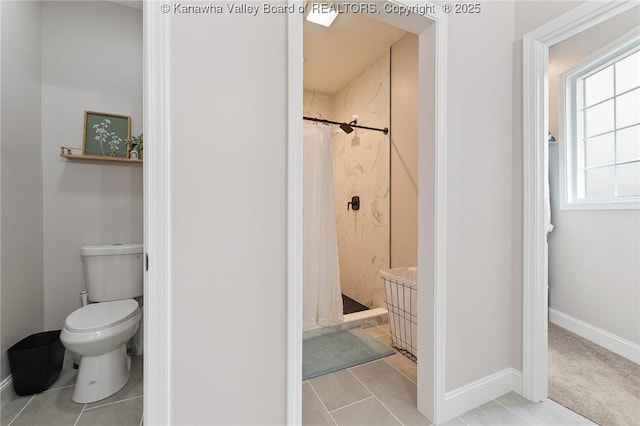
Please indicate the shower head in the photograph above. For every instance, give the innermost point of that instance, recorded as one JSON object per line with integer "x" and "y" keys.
{"x": 347, "y": 127}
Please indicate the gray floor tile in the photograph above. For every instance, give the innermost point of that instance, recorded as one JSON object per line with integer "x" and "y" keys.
{"x": 393, "y": 389}
{"x": 131, "y": 389}
{"x": 313, "y": 412}
{"x": 124, "y": 413}
{"x": 55, "y": 407}
{"x": 365, "y": 413}
{"x": 7, "y": 394}
{"x": 67, "y": 375}
{"x": 404, "y": 364}
{"x": 12, "y": 403}
{"x": 385, "y": 338}
{"x": 375, "y": 331}
{"x": 339, "y": 389}
{"x": 11, "y": 406}
{"x": 493, "y": 414}
{"x": 544, "y": 413}
{"x": 50, "y": 408}
{"x": 457, "y": 421}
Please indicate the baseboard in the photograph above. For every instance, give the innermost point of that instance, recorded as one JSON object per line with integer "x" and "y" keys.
{"x": 615, "y": 344}
{"x": 472, "y": 395}
{"x": 6, "y": 383}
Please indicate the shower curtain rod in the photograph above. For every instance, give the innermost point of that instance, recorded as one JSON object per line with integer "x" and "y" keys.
{"x": 347, "y": 127}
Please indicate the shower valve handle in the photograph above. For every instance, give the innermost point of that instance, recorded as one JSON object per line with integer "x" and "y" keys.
{"x": 354, "y": 203}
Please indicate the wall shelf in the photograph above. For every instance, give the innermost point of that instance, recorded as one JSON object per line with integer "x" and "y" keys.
{"x": 65, "y": 152}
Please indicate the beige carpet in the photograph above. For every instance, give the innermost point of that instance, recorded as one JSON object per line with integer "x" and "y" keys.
{"x": 592, "y": 381}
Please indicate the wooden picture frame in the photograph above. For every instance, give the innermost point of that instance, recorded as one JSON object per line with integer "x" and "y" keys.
{"x": 106, "y": 134}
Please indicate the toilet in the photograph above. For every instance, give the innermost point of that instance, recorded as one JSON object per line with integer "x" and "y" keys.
{"x": 99, "y": 331}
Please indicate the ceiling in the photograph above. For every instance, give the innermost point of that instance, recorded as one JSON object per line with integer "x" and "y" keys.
{"x": 334, "y": 56}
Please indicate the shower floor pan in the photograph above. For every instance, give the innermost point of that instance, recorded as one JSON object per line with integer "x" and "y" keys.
{"x": 351, "y": 306}
{"x": 368, "y": 318}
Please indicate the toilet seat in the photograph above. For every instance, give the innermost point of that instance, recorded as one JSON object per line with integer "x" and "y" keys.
{"x": 99, "y": 316}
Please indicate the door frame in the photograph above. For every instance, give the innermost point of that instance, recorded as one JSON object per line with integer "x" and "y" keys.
{"x": 157, "y": 216}
{"x": 535, "y": 151}
{"x": 431, "y": 297}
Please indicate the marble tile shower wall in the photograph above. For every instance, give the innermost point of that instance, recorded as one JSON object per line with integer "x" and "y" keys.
{"x": 317, "y": 104}
{"x": 360, "y": 167}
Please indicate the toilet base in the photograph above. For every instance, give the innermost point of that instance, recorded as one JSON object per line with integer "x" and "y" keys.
{"x": 102, "y": 375}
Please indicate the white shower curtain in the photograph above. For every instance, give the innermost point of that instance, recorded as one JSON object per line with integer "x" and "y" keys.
{"x": 321, "y": 274}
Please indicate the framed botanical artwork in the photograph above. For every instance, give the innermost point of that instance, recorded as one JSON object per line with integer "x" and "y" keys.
{"x": 105, "y": 134}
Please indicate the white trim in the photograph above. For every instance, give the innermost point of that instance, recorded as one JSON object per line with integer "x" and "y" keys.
{"x": 157, "y": 209}
{"x": 472, "y": 395}
{"x": 566, "y": 191}
{"x": 1, "y": 55}
{"x": 633, "y": 204}
{"x": 6, "y": 383}
{"x": 580, "y": 18}
{"x": 535, "y": 154}
{"x": 615, "y": 344}
{"x": 439, "y": 295}
{"x": 294, "y": 219}
{"x": 534, "y": 251}
{"x": 627, "y": 44}
{"x": 516, "y": 382}
{"x": 431, "y": 368}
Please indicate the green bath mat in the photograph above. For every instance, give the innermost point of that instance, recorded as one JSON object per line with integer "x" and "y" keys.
{"x": 337, "y": 351}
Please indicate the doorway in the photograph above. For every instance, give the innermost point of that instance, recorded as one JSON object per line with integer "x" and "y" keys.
{"x": 431, "y": 30}
{"x": 352, "y": 87}
{"x": 536, "y": 46}
{"x": 591, "y": 278}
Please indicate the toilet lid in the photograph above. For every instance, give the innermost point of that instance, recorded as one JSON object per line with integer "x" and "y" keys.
{"x": 98, "y": 316}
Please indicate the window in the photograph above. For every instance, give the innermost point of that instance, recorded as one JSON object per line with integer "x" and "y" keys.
{"x": 602, "y": 129}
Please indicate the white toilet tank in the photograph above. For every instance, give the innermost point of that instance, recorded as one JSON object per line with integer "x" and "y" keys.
{"x": 113, "y": 272}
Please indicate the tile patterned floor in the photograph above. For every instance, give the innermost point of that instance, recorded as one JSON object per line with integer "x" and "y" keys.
{"x": 54, "y": 406}
{"x": 383, "y": 392}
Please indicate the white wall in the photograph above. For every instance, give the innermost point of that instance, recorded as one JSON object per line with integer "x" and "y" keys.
{"x": 404, "y": 152}
{"x": 594, "y": 273}
{"x": 484, "y": 186}
{"x": 479, "y": 191}
{"x": 22, "y": 279}
{"x": 529, "y": 15}
{"x": 228, "y": 219}
{"x": 91, "y": 60}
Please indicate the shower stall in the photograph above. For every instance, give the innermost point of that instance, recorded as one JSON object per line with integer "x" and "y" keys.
{"x": 346, "y": 220}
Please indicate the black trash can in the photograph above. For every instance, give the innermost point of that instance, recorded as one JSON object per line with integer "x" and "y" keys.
{"x": 36, "y": 362}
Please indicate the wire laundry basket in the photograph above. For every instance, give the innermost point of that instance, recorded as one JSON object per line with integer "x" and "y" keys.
{"x": 401, "y": 290}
